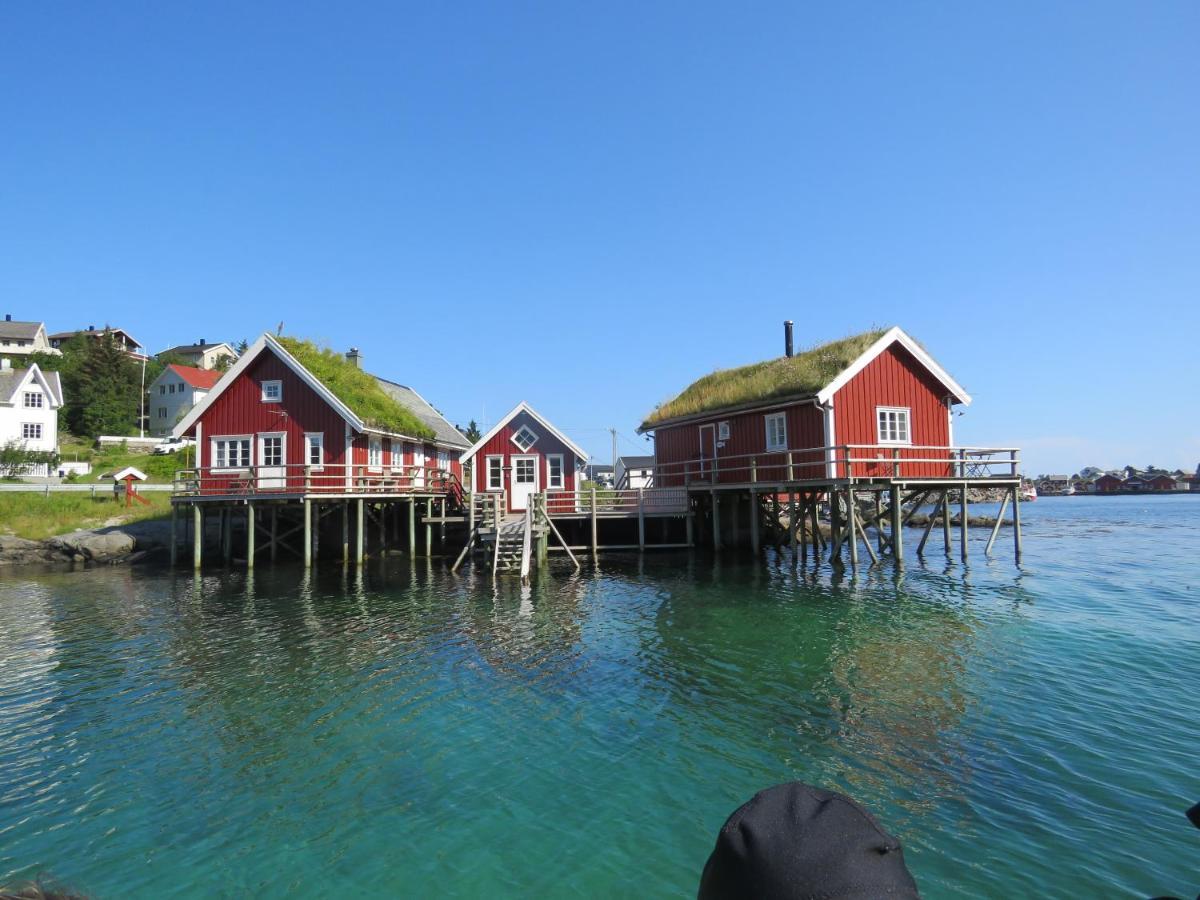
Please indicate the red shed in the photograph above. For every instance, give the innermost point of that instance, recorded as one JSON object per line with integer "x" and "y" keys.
{"x": 869, "y": 402}
{"x": 271, "y": 424}
{"x": 524, "y": 454}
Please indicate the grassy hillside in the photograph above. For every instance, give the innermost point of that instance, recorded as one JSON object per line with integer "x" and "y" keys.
{"x": 37, "y": 516}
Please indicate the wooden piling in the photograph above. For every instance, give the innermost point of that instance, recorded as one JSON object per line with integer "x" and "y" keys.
{"x": 174, "y": 534}
{"x": 754, "y": 524}
{"x": 274, "y": 531}
{"x": 641, "y": 519}
{"x": 1017, "y": 523}
{"x": 852, "y": 526}
{"x": 412, "y": 527}
{"x": 197, "y": 535}
{"x": 962, "y": 524}
{"x": 359, "y": 531}
{"x": 595, "y": 530}
{"x": 987, "y": 551}
{"x": 227, "y": 535}
{"x": 250, "y": 535}
{"x": 428, "y": 527}
{"x": 946, "y": 520}
{"x": 716, "y": 521}
{"x": 345, "y": 532}
{"x": 897, "y": 526}
{"x": 307, "y": 533}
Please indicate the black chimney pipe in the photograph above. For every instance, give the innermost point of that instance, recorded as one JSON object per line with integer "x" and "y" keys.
{"x": 787, "y": 337}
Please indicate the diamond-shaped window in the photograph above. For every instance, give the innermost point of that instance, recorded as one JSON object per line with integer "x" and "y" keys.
{"x": 525, "y": 437}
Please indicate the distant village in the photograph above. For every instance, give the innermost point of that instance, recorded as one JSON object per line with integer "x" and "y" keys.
{"x": 1129, "y": 480}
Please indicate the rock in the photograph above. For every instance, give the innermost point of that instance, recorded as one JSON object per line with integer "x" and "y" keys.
{"x": 15, "y": 551}
{"x": 105, "y": 545}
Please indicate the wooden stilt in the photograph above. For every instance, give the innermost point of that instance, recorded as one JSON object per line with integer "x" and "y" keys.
{"x": 428, "y": 527}
{"x": 442, "y": 524}
{"x": 866, "y": 542}
{"x": 818, "y": 541}
{"x": 735, "y": 520}
{"x": 641, "y": 519}
{"x": 359, "y": 532}
{"x": 878, "y": 520}
{"x": 595, "y": 530}
{"x": 412, "y": 527}
{"x": 800, "y": 531}
{"x": 316, "y": 537}
{"x": 250, "y": 535}
{"x": 835, "y": 527}
{"x": 852, "y": 526}
{"x": 690, "y": 526}
{"x": 174, "y": 534}
{"x": 1017, "y": 523}
{"x": 227, "y": 535}
{"x": 897, "y": 526}
{"x": 929, "y": 524}
{"x": 197, "y": 535}
{"x": 346, "y": 532}
{"x": 962, "y": 524}
{"x": 307, "y": 533}
{"x": 946, "y": 520}
{"x": 996, "y": 528}
{"x": 755, "y": 538}
{"x": 383, "y": 535}
{"x": 716, "y": 520}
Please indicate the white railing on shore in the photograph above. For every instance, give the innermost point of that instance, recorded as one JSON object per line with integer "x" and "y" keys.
{"x": 329, "y": 479}
{"x": 99, "y": 489}
{"x": 853, "y": 462}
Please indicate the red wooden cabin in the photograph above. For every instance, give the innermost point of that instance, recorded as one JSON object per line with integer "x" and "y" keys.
{"x": 523, "y": 455}
{"x": 859, "y": 406}
{"x": 271, "y": 426}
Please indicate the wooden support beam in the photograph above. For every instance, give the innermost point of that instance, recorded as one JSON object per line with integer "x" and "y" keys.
{"x": 716, "y": 521}
{"x": 866, "y": 542}
{"x": 227, "y": 535}
{"x": 345, "y": 532}
{"x": 197, "y": 535}
{"x": 800, "y": 531}
{"x": 690, "y": 526}
{"x": 835, "y": 527}
{"x": 307, "y": 533}
{"x": 852, "y": 526}
{"x": 1017, "y": 523}
{"x": 250, "y": 534}
{"x": 946, "y": 520}
{"x": 897, "y": 526}
{"x": 595, "y": 530}
{"x": 641, "y": 495}
{"x": 412, "y": 527}
{"x": 929, "y": 525}
{"x": 359, "y": 532}
{"x": 996, "y": 528}
{"x": 755, "y": 541}
{"x": 965, "y": 505}
{"x": 174, "y": 534}
{"x": 428, "y": 528}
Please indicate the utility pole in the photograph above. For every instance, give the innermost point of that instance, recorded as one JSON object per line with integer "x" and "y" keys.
{"x": 613, "y": 432}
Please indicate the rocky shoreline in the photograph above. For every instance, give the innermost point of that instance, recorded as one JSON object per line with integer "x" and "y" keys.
{"x": 116, "y": 545}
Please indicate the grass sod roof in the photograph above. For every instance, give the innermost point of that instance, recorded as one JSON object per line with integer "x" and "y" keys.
{"x": 801, "y": 375}
{"x": 357, "y": 389}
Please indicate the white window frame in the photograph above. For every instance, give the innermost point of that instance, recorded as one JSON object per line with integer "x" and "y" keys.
{"x": 770, "y": 418}
{"x": 31, "y": 431}
{"x": 898, "y": 442}
{"x": 562, "y": 472}
{"x": 525, "y": 428}
{"x": 34, "y": 400}
{"x": 227, "y": 438}
{"x": 263, "y": 437}
{"x": 399, "y": 450}
{"x": 266, "y": 390}
{"x": 487, "y": 473}
{"x": 443, "y": 460}
{"x": 314, "y": 439}
{"x": 374, "y": 453}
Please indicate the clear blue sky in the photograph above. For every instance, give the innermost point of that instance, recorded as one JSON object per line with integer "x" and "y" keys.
{"x": 589, "y": 205}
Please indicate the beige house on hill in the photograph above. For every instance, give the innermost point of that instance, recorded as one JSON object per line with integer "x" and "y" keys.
{"x": 202, "y": 354}
{"x": 23, "y": 338}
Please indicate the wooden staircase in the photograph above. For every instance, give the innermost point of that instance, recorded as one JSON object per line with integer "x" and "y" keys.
{"x": 511, "y": 543}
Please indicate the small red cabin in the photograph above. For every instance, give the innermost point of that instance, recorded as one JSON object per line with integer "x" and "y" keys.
{"x": 865, "y": 403}
{"x": 523, "y": 455}
{"x": 270, "y": 424}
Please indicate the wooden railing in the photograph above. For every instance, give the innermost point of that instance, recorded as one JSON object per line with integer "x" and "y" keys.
{"x": 609, "y": 502}
{"x": 844, "y": 461}
{"x": 330, "y": 479}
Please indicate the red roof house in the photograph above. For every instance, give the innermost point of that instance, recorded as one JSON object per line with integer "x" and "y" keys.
{"x": 865, "y": 403}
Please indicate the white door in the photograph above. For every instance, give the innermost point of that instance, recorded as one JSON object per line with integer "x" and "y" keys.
{"x": 524, "y": 480}
{"x": 418, "y": 469}
{"x": 272, "y": 452}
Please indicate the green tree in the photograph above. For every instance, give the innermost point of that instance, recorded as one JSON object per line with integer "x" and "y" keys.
{"x": 471, "y": 432}
{"x": 101, "y": 387}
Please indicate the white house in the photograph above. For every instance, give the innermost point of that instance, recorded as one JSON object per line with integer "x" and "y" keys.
{"x": 204, "y": 355}
{"x": 29, "y": 403}
{"x": 176, "y": 391}
{"x": 635, "y": 472}
{"x": 24, "y": 338}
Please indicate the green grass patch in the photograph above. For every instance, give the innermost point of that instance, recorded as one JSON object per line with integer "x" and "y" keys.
{"x": 354, "y": 387}
{"x": 800, "y": 375}
{"x": 37, "y": 516}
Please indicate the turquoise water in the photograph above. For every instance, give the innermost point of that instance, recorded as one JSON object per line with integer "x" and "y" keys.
{"x": 1026, "y": 732}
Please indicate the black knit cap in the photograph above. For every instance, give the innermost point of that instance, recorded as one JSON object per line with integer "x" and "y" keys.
{"x": 795, "y": 841}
